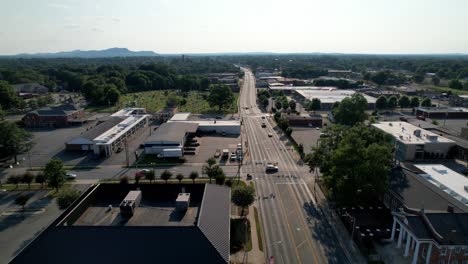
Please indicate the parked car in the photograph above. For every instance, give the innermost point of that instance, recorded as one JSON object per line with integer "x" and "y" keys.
{"x": 70, "y": 176}
{"x": 421, "y": 117}
{"x": 233, "y": 157}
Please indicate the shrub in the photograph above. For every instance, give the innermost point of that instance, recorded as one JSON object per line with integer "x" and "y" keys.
{"x": 66, "y": 197}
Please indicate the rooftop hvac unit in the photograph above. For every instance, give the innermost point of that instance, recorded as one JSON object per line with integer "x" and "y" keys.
{"x": 130, "y": 203}
{"x": 417, "y": 132}
{"x": 183, "y": 201}
{"x": 466, "y": 188}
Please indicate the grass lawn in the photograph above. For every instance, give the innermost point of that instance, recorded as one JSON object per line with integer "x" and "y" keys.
{"x": 259, "y": 229}
{"x": 154, "y": 101}
{"x": 240, "y": 235}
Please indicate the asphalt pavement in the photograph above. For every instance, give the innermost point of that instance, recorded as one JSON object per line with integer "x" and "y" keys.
{"x": 296, "y": 229}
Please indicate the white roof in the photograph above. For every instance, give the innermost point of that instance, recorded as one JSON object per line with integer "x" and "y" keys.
{"x": 202, "y": 123}
{"x": 331, "y": 94}
{"x": 447, "y": 180}
{"x": 405, "y": 133}
{"x": 129, "y": 111}
{"x": 117, "y": 131}
{"x": 182, "y": 116}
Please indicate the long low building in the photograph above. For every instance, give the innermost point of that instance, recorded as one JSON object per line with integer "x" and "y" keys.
{"x": 229, "y": 127}
{"x": 442, "y": 112}
{"x": 107, "y": 137}
{"x": 328, "y": 96}
{"x": 414, "y": 143}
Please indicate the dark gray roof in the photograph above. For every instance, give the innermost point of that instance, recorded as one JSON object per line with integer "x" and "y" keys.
{"x": 452, "y": 227}
{"x": 214, "y": 218}
{"x": 90, "y": 244}
{"x": 413, "y": 193}
{"x": 59, "y": 110}
{"x": 30, "y": 88}
{"x": 172, "y": 131}
{"x": 102, "y": 127}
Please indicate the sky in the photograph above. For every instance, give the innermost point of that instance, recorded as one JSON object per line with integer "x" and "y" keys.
{"x": 207, "y": 26}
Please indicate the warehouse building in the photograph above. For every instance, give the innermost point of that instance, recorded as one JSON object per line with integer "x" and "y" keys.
{"x": 414, "y": 143}
{"x": 169, "y": 137}
{"x": 443, "y": 112}
{"x": 108, "y": 137}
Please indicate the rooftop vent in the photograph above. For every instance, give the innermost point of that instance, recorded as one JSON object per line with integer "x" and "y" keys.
{"x": 183, "y": 201}
{"x": 417, "y": 132}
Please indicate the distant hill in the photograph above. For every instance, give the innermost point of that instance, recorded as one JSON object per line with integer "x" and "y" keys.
{"x": 113, "y": 52}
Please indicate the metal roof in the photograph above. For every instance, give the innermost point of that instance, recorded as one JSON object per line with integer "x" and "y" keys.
{"x": 172, "y": 131}
{"x": 214, "y": 218}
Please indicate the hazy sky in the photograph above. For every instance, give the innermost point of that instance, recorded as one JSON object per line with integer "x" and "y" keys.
{"x": 199, "y": 26}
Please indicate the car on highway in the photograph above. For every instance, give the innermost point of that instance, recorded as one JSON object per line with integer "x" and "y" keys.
{"x": 219, "y": 117}
{"x": 263, "y": 124}
{"x": 318, "y": 128}
{"x": 271, "y": 168}
{"x": 263, "y": 117}
{"x": 249, "y": 176}
{"x": 270, "y": 134}
{"x": 70, "y": 176}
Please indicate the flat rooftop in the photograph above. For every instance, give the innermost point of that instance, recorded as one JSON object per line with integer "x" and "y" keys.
{"x": 180, "y": 116}
{"x": 149, "y": 213}
{"x": 447, "y": 180}
{"x": 405, "y": 133}
{"x": 331, "y": 95}
{"x": 115, "y": 132}
{"x": 443, "y": 109}
{"x": 129, "y": 111}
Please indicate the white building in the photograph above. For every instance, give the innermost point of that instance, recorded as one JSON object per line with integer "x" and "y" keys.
{"x": 169, "y": 136}
{"x": 230, "y": 127}
{"x": 107, "y": 137}
{"x": 412, "y": 142}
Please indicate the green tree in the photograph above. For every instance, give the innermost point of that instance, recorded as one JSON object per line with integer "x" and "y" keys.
{"x": 278, "y": 105}
{"x": 180, "y": 177}
{"x": 219, "y": 175}
{"x": 40, "y": 178}
{"x": 243, "y": 196}
{"x": 112, "y": 94}
{"x": 426, "y": 102}
{"x": 418, "y": 78}
{"x": 14, "y": 140}
{"x": 381, "y": 102}
{"x": 166, "y": 175}
{"x": 292, "y": 105}
{"x": 55, "y": 173}
{"x": 289, "y": 131}
{"x": 414, "y": 102}
{"x": 150, "y": 175}
{"x": 14, "y": 179}
{"x": 193, "y": 176}
{"x": 2, "y": 113}
{"x": 67, "y": 197}
{"x": 404, "y": 101}
{"x": 351, "y": 110}
{"x": 392, "y": 102}
{"x": 351, "y": 159}
{"x": 455, "y": 84}
{"x": 8, "y": 97}
{"x": 27, "y": 178}
{"x": 172, "y": 100}
{"x": 138, "y": 177}
{"x": 435, "y": 80}
{"x": 315, "y": 104}
{"x": 22, "y": 200}
{"x": 209, "y": 168}
{"x": 220, "y": 95}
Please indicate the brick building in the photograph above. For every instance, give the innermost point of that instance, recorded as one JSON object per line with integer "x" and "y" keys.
{"x": 54, "y": 116}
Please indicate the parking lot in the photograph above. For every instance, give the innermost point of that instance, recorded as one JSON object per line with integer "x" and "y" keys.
{"x": 306, "y": 136}
{"x": 208, "y": 146}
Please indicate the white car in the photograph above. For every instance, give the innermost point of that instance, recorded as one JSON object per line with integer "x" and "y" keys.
{"x": 70, "y": 175}
{"x": 271, "y": 168}
{"x": 233, "y": 157}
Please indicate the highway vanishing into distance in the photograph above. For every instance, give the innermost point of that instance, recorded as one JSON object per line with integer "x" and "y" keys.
{"x": 295, "y": 230}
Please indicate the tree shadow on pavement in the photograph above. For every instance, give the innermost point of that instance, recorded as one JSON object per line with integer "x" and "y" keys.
{"x": 322, "y": 231}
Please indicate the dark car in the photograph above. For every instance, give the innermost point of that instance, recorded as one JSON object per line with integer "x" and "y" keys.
{"x": 249, "y": 176}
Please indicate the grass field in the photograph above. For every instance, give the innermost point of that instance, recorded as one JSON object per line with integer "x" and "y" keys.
{"x": 154, "y": 101}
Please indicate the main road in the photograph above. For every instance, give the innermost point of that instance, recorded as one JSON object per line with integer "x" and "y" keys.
{"x": 295, "y": 229}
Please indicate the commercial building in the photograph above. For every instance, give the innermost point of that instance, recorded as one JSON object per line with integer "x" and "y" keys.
{"x": 108, "y": 137}
{"x": 229, "y": 127}
{"x": 169, "y": 136}
{"x": 443, "y": 112}
{"x": 414, "y": 143}
{"x": 304, "y": 120}
{"x": 114, "y": 223}
{"x": 430, "y": 214}
{"x": 328, "y": 96}
{"x": 229, "y": 79}
{"x": 54, "y": 116}
{"x": 30, "y": 88}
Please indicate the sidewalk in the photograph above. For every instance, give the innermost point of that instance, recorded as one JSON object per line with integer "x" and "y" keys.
{"x": 255, "y": 256}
